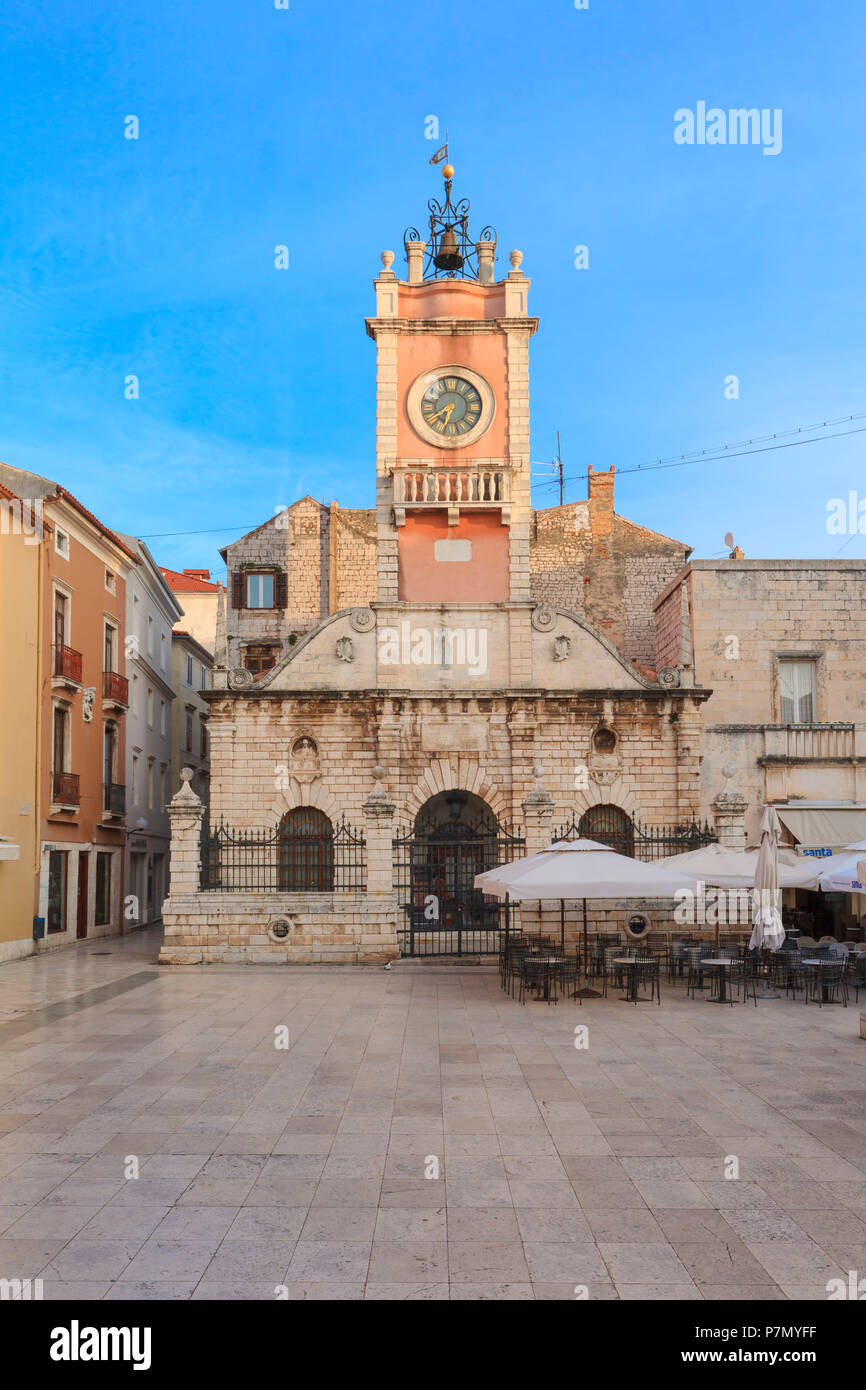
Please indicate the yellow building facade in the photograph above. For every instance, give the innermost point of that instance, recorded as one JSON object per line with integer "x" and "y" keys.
{"x": 22, "y": 540}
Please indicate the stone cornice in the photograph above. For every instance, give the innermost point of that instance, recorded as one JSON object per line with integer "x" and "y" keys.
{"x": 451, "y": 327}
{"x": 522, "y": 693}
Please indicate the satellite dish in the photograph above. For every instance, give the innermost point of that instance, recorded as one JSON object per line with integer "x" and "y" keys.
{"x": 729, "y": 539}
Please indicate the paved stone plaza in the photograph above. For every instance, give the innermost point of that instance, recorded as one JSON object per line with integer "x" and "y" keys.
{"x": 559, "y": 1167}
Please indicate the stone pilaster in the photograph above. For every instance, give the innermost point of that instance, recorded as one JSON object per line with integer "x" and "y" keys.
{"x": 690, "y": 738}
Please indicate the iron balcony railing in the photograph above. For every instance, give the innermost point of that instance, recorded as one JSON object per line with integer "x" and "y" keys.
{"x": 115, "y": 687}
{"x": 65, "y": 788}
{"x": 67, "y": 663}
{"x": 114, "y": 798}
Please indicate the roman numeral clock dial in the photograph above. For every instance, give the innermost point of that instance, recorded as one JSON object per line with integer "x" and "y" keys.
{"x": 451, "y": 406}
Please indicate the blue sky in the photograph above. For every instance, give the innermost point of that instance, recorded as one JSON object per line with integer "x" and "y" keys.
{"x": 306, "y": 127}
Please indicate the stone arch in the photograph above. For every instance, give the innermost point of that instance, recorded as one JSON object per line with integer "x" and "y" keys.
{"x": 613, "y": 793}
{"x": 457, "y": 774}
{"x": 616, "y": 827}
{"x": 297, "y": 793}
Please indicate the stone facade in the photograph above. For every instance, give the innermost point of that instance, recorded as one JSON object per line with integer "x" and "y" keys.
{"x": 487, "y": 741}
{"x": 582, "y": 557}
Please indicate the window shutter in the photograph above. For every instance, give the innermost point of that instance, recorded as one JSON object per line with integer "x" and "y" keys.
{"x": 281, "y": 590}
{"x": 238, "y": 589}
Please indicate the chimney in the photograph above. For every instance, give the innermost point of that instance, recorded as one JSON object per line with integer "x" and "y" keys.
{"x": 198, "y": 574}
{"x": 600, "y": 501}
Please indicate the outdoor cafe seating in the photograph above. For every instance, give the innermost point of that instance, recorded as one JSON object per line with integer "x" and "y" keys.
{"x": 541, "y": 968}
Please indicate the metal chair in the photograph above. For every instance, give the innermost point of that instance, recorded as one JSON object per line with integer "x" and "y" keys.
{"x": 570, "y": 976}
{"x": 515, "y": 955}
{"x": 647, "y": 970}
{"x": 789, "y": 971}
{"x": 855, "y": 973}
{"x": 741, "y": 976}
{"x": 695, "y": 975}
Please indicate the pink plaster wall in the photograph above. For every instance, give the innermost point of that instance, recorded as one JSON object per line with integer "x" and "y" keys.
{"x": 421, "y": 578}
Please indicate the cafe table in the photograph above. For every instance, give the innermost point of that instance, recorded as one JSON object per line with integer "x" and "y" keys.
{"x": 551, "y": 962}
{"x": 722, "y": 962}
{"x": 824, "y": 991}
{"x": 630, "y": 962}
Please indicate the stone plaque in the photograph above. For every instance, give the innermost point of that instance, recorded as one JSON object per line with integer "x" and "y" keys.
{"x": 454, "y": 736}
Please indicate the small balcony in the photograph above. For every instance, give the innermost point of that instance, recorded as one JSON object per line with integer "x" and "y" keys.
{"x": 424, "y": 485}
{"x": 113, "y": 801}
{"x": 65, "y": 791}
{"x": 799, "y": 743}
{"x": 115, "y": 693}
{"x": 66, "y": 669}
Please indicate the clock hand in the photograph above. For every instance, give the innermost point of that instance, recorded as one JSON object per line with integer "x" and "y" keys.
{"x": 446, "y": 408}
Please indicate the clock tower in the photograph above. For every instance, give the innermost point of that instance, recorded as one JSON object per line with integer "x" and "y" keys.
{"x": 452, "y": 417}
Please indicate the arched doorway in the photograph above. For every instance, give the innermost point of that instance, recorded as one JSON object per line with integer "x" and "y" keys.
{"x": 306, "y": 850}
{"x": 455, "y": 836}
{"x": 609, "y": 825}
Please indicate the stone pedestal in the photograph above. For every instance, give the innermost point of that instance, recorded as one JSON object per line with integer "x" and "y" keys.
{"x": 185, "y": 811}
{"x": 538, "y": 815}
{"x": 729, "y": 814}
{"x": 379, "y": 817}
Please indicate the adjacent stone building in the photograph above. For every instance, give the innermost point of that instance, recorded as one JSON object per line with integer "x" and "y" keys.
{"x": 780, "y": 643}
{"x": 151, "y": 612}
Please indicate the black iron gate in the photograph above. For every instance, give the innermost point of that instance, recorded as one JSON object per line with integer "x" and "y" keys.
{"x": 443, "y": 914}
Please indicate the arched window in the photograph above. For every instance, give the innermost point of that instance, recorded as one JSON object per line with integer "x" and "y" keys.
{"x": 609, "y": 826}
{"x": 306, "y": 852}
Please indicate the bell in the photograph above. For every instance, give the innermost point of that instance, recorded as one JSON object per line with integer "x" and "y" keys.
{"x": 448, "y": 256}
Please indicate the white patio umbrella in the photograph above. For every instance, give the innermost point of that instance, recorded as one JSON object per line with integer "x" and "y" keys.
{"x": 766, "y": 916}
{"x": 846, "y": 871}
{"x": 582, "y": 869}
{"x": 735, "y": 868}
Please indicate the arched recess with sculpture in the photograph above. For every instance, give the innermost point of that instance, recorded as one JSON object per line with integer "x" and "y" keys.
{"x": 299, "y": 781}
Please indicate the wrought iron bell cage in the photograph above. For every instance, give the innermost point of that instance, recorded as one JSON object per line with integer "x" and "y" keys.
{"x": 451, "y": 254}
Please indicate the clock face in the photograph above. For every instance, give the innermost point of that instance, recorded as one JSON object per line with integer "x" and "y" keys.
{"x": 451, "y": 406}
